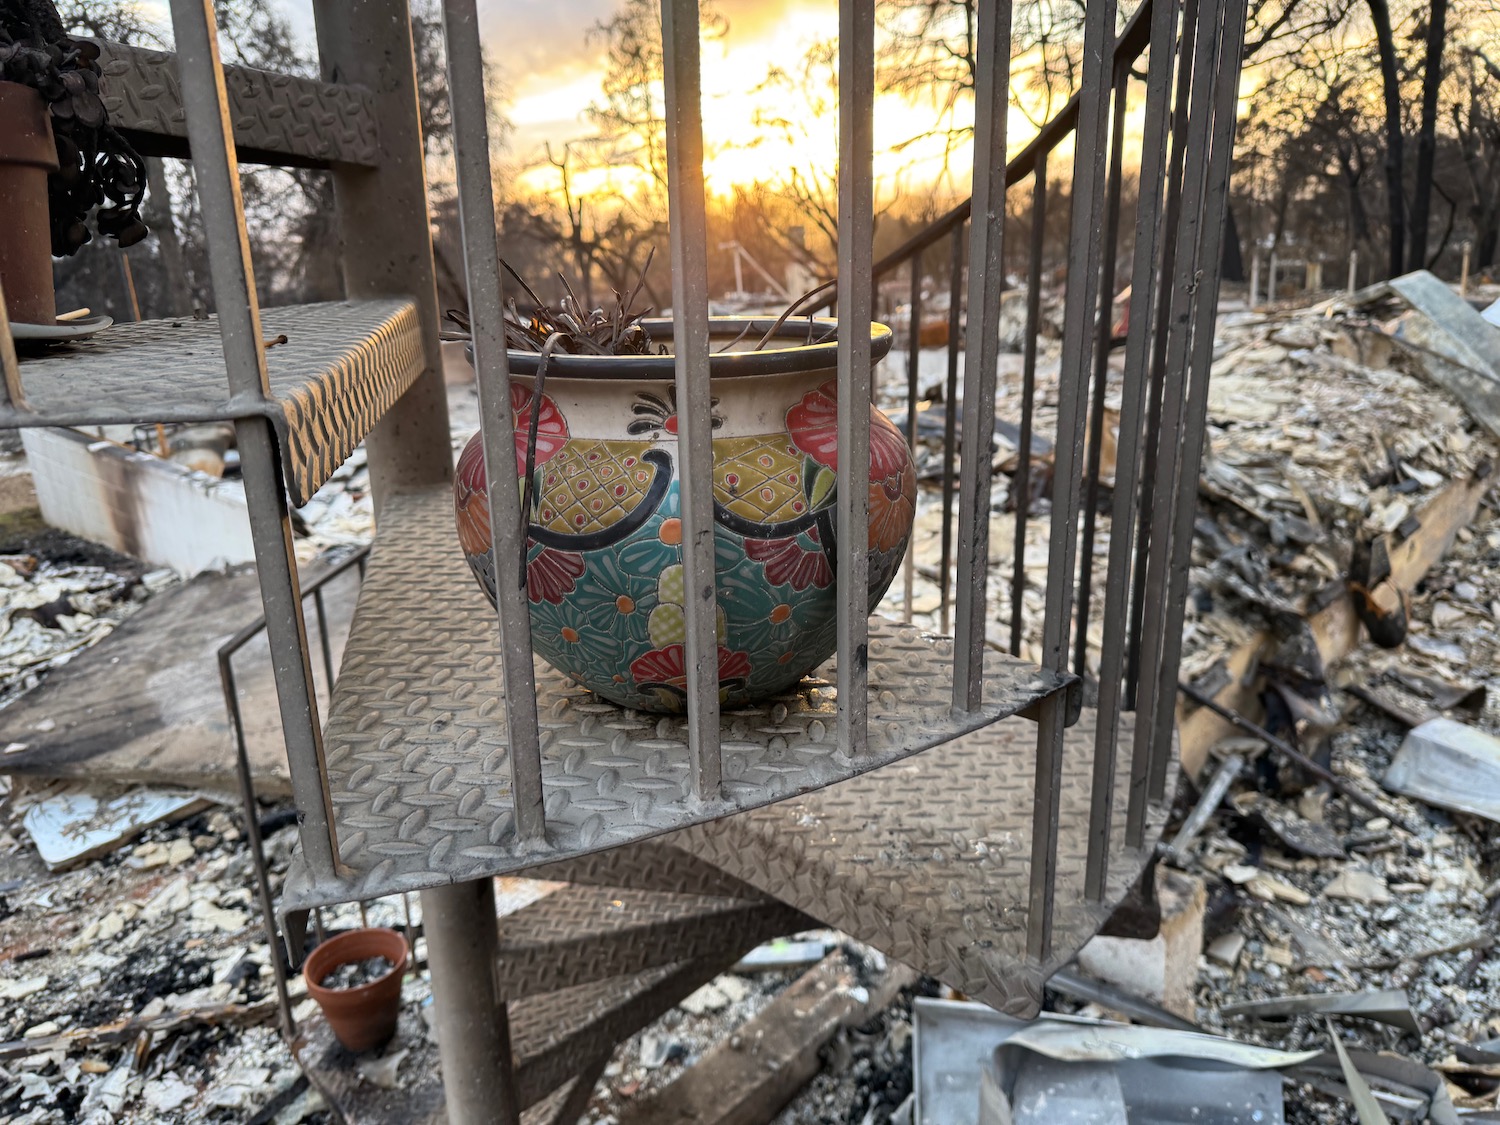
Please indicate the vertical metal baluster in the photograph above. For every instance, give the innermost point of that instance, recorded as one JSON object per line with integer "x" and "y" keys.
{"x": 1020, "y": 487}
{"x": 1159, "y": 314}
{"x": 1127, "y": 466}
{"x": 1204, "y": 312}
{"x": 1170, "y": 438}
{"x": 217, "y": 174}
{"x": 476, "y": 207}
{"x": 385, "y": 244}
{"x": 1090, "y": 153}
{"x": 855, "y": 381}
{"x": 257, "y": 846}
{"x": 981, "y": 346}
{"x": 1104, "y": 331}
{"x": 689, "y": 237}
{"x": 913, "y": 359}
{"x": 950, "y": 419}
{"x": 324, "y": 642}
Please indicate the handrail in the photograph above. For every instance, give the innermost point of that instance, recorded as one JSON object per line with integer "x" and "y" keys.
{"x": 1133, "y": 40}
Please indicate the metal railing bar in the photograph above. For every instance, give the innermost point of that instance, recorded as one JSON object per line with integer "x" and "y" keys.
{"x": 982, "y": 347}
{"x": 225, "y": 657}
{"x": 321, "y": 613}
{"x": 358, "y": 558}
{"x": 913, "y": 360}
{"x": 471, "y": 148}
{"x": 1170, "y": 437}
{"x": 688, "y": 226}
{"x": 279, "y": 968}
{"x": 950, "y": 419}
{"x": 856, "y": 233}
{"x": 1158, "y": 314}
{"x": 1103, "y": 338}
{"x": 1020, "y": 488}
{"x": 1204, "y": 314}
{"x": 217, "y": 174}
{"x": 1091, "y": 149}
{"x": 1079, "y": 310}
{"x": 1128, "y": 47}
{"x": 1128, "y": 455}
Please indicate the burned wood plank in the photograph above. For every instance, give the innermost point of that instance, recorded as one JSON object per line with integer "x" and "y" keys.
{"x": 1335, "y": 628}
{"x": 750, "y": 1075}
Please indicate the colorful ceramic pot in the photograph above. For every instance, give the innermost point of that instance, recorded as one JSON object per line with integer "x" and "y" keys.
{"x": 604, "y": 553}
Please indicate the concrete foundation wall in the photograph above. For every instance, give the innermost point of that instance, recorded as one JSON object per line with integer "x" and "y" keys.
{"x": 138, "y": 504}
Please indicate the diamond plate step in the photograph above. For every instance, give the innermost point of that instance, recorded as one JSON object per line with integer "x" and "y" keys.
{"x": 929, "y": 860}
{"x": 554, "y": 1037}
{"x": 277, "y": 118}
{"x": 651, "y": 865}
{"x": 580, "y": 934}
{"x": 416, "y": 739}
{"x": 343, "y": 365}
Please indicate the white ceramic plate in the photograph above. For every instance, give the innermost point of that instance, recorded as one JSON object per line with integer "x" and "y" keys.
{"x": 61, "y": 333}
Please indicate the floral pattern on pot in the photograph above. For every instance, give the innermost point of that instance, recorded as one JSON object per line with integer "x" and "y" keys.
{"x": 604, "y": 575}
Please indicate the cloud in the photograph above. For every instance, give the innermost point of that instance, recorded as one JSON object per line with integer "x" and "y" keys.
{"x": 532, "y": 39}
{"x": 751, "y": 20}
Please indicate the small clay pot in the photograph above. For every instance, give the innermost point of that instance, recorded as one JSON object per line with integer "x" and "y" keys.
{"x": 362, "y": 1018}
{"x": 27, "y": 154}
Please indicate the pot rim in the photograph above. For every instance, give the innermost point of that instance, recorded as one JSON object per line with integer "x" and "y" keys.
{"x": 336, "y": 955}
{"x": 786, "y": 360}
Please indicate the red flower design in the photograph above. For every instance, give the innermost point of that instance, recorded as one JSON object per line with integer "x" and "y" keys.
{"x": 813, "y": 426}
{"x": 551, "y": 574}
{"x": 470, "y": 503}
{"x": 892, "y": 507}
{"x": 471, "y": 508}
{"x": 551, "y": 427}
{"x": 668, "y": 667}
{"x": 786, "y": 560}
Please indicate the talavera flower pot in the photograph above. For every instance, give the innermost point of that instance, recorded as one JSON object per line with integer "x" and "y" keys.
{"x": 604, "y": 573}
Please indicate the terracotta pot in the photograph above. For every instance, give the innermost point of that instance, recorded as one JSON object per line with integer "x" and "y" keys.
{"x": 604, "y": 559}
{"x": 27, "y": 154}
{"x": 362, "y": 1018}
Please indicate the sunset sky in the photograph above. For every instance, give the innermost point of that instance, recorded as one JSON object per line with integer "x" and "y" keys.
{"x": 552, "y": 71}
{"x": 553, "y": 74}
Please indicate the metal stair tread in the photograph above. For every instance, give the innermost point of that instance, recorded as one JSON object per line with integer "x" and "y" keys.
{"x": 278, "y": 118}
{"x": 343, "y": 365}
{"x": 929, "y": 860}
{"x": 417, "y": 754}
{"x": 580, "y": 933}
